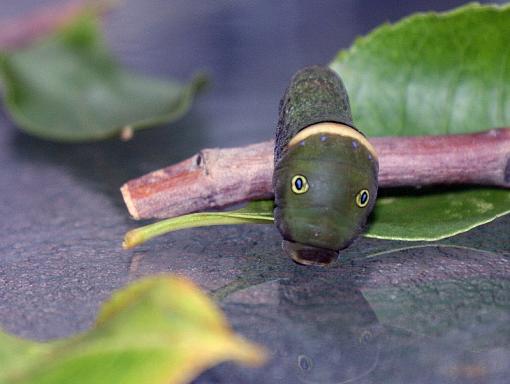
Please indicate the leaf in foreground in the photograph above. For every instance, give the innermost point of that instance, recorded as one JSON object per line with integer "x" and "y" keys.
{"x": 158, "y": 330}
{"x": 68, "y": 88}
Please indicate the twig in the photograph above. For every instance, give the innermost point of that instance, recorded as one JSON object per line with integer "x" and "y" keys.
{"x": 216, "y": 178}
{"x": 22, "y": 31}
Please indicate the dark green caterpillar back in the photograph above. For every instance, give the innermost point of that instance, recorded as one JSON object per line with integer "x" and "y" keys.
{"x": 315, "y": 95}
{"x": 325, "y": 177}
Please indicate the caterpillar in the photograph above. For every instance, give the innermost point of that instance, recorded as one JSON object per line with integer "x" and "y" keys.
{"x": 325, "y": 170}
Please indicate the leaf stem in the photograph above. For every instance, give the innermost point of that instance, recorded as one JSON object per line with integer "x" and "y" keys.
{"x": 204, "y": 219}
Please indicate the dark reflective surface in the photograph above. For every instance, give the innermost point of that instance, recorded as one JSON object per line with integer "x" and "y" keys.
{"x": 318, "y": 331}
{"x": 435, "y": 314}
{"x": 386, "y": 312}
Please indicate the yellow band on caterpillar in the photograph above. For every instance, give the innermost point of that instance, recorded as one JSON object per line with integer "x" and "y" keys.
{"x": 334, "y": 129}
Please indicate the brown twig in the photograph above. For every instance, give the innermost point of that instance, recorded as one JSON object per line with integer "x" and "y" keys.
{"x": 24, "y": 30}
{"x": 218, "y": 177}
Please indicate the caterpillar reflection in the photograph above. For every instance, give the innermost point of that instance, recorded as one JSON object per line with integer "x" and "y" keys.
{"x": 325, "y": 174}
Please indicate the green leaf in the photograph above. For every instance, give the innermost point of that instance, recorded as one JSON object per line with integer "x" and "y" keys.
{"x": 158, "y": 330}
{"x": 68, "y": 88}
{"x": 435, "y": 216}
{"x": 255, "y": 212}
{"x": 432, "y": 73}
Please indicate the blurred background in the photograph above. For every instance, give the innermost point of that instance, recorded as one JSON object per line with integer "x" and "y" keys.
{"x": 249, "y": 48}
{"x": 62, "y": 217}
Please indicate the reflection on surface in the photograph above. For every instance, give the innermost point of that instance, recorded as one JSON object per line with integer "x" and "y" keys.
{"x": 333, "y": 331}
{"x": 427, "y": 314}
{"x": 319, "y": 331}
{"x": 477, "y": 307}
{"x": 449, "y": 330}
{"x": 328, "y": 328}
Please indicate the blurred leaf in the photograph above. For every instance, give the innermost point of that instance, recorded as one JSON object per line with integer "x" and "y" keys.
{"x": 255, "y": 212}
{"x": 158, "y": 330}
{"x": 69, "y": 88}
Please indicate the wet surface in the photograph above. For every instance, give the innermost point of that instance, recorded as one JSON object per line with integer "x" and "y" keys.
{"x": 386, "y": 312}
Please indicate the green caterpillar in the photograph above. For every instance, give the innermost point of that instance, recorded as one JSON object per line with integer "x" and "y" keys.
{"x": 325, "y": 170}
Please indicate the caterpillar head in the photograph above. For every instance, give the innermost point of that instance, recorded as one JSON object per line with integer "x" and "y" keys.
{"x": 325, "y": 187}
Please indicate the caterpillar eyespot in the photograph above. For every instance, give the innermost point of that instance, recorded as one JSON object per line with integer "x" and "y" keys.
{"x": 362, "y": 198}
{"x": 316, "y": 137}
{"x": 299, "y": 184}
